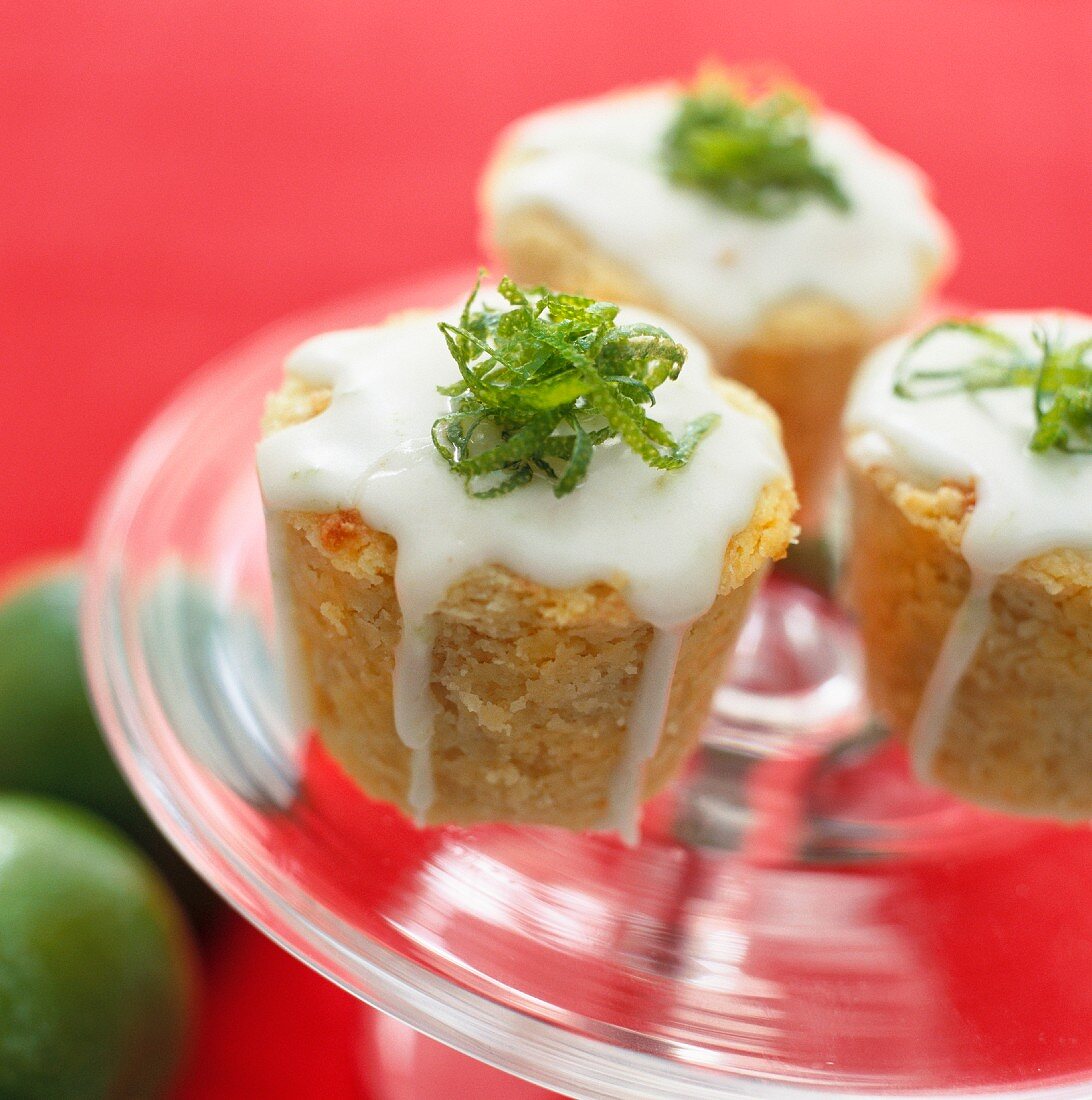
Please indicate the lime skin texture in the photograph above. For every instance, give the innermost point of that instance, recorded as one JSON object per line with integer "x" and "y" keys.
{"x": 50, "y": 739}
{"x": 97, "y": 967}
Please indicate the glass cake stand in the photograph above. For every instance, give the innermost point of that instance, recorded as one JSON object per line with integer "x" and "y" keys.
{"x": 799, "y": 916}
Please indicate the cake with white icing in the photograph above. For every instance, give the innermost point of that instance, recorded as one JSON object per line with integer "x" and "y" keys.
{"x": 547, "y": 654}
{"x": 970, "y": 452}
{"x": 788, "y": 284}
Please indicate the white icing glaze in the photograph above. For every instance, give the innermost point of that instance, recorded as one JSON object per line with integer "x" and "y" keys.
{"x": 596, "y": 166}
{"x": 645, "y": 723}
{"x": 965, "y": 634}
{"x": 289, "y": 659}
{"x": 1026, "y": 504}
{"x": 659, "y": 535}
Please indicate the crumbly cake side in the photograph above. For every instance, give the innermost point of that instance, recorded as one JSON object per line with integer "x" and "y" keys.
{"x": 1020, "y": 732}
{"x": 800, "y": 360}
{"x": 532, "y": 685}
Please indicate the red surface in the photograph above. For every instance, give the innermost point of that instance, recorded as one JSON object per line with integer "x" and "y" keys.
{"x": 177, "y": 174}
{"x": 271, "y": 1028}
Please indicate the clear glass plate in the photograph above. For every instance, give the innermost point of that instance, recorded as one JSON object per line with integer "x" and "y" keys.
{"x": 799, "y": 915}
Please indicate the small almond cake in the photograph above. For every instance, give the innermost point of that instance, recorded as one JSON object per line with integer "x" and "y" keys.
{"x": 970, "y": 453}
{"x": 505, "y": 591}
{"x": 784, "y": 237}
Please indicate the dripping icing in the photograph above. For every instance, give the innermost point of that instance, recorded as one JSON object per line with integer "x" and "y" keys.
{"x": 370, "y": 450}
{"x": 415, "y": 708}
{"x": 287, "y": 652}
{"x": 1026, "y": 504}
{"x": 961, "y": 642}
{"x": 645, "y": 725}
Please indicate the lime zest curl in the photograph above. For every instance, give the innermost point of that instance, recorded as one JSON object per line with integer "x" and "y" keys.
{"x": 1059, "y": 378}
{"x": 546, "y": 381}
{"x": 748, "y": 150}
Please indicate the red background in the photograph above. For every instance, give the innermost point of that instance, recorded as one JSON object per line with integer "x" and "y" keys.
{"x": 175, "y": 174}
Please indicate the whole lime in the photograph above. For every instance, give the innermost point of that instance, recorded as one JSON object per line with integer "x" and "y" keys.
{"x": 49, "y": 738}
{"x": 96, "y": 963}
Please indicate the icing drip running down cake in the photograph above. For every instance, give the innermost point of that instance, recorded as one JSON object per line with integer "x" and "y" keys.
{"x": 787, "y": 239}
{"x": 546, "y": 653}
{"x": 971, "y": 464}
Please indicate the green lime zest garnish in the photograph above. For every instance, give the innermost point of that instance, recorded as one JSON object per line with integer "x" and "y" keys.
{"x": 1058, "y": 377}
{"x": 751, "y": 153}
{"x": 546, "y": 381}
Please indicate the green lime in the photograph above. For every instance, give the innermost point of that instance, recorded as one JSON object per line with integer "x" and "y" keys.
{"x": 50, "y": 740}
{"x": 96, "y": 964}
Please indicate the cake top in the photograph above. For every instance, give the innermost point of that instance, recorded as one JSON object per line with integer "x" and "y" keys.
{"x": 659, "y": 535}
{"x": 1003, "y": 403}
{"x": 730, "y": 208}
